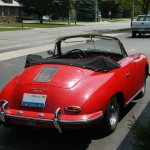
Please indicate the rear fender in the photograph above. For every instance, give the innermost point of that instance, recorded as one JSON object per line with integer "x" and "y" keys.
{"x": 8, "y": 91}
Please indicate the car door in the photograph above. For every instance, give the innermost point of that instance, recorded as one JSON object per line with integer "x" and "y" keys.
{"x": 129, "y": 68}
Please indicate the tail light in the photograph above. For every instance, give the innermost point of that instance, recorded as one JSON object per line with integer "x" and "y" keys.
{"x": 74, "y": 109}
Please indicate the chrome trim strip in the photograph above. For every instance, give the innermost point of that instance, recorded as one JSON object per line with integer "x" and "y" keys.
{"x": 51, "y": 121}
{"x": 82, "y": 121}
{"x": 134, "y": 96}
{"x": 29, "y": 118}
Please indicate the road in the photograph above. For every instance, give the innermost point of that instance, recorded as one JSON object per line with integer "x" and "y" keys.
{"x": 87, "y": 139}
{"x": 39, "y": 36}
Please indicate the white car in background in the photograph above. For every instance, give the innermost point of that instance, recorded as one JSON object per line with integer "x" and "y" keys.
{"x": 45, "y": 17}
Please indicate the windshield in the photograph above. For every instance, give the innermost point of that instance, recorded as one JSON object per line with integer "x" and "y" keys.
{"x": 91, "y": 44}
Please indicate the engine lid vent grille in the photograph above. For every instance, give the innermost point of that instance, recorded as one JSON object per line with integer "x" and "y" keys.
{"x": 46, "y": 74}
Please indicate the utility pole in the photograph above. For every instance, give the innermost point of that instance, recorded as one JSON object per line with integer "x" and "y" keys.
{"x": 132, "y": 15}
{"x": 22, "y": 18}
{"x": 68, "y": 11}
{"x": 96, "y": 11}
{"x": 69, "y": 17}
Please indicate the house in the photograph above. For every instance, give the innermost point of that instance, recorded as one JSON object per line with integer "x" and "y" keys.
{"x": 10, "y": 11}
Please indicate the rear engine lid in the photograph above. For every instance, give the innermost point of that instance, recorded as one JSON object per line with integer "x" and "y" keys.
{"x": 58, "y": 76}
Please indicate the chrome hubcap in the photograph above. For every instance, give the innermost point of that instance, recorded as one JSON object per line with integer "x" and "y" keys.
{"x": 143, "y": 89}
{"x": 113, "y": 111}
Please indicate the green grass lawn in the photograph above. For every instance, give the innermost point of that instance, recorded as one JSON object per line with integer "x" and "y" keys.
{"x": 35, "y": 25}
{"x": 26, "y": 26}
{"x": 124, "y": 30}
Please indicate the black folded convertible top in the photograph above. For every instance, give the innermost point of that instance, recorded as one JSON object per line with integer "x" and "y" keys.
{"x": 99, "y": 63}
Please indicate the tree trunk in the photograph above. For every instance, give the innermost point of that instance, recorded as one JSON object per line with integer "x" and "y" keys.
{"x": 41, "y": 20}
{"x": 146, "y": 6}
{"x": 49, "y": 17}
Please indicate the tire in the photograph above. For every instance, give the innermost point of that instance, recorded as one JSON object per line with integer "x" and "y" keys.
{"x": 142, "y": 92}
{"x": 111, "y": 117}
{"x": 133, "y": 34}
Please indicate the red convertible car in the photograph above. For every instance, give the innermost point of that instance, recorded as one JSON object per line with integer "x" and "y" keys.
{"x": 86, "y": 80}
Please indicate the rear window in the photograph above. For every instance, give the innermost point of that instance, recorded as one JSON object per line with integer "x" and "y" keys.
{"x": 143, "y": 18}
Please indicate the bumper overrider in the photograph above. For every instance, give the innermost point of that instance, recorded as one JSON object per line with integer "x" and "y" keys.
{"x": 57, "y": 119}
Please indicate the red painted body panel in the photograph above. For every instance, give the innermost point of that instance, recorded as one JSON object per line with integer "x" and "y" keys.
{"x": 89, "y": 93}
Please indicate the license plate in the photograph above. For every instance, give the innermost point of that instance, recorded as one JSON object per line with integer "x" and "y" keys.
{"x": 141, "y": 30}
{"x": 33, "y": 100}
{"x": 31, "y": 123}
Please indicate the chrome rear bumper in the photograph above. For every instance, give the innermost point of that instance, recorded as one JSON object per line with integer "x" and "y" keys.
{"x": 2, "y": 112}
{"x": 56, "y": 121}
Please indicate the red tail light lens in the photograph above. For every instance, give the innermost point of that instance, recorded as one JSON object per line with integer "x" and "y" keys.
{"x": 74, "y": 109}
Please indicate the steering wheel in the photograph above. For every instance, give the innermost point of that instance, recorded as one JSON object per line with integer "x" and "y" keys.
{"x": 78, "y": 56}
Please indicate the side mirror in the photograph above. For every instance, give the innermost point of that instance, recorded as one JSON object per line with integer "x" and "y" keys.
{"x": 136, "y": 56}
{"x": 50, "y": 52}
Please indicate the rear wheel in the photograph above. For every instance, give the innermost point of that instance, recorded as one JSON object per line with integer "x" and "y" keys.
{"x": 111, "y": 116}
{"x": 133, "y": 34}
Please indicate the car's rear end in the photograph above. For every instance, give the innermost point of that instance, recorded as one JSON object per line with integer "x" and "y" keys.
{"x": 50, "y": 96}
{"x": 141, "y": 25}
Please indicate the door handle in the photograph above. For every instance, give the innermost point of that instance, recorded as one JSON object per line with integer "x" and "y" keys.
{"x": 127, "y": 74}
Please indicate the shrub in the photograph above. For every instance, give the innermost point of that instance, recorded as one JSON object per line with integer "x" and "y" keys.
{"x": 141, "y": 134}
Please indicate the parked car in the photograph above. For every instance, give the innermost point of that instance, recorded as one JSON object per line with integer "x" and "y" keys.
{"x": 141, "y": 25}
{"x": 45, "y": 18}
{"x": 87, "y": 80}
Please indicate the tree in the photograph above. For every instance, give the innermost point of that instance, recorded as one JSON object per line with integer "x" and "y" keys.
{"x": 62, "y": 8}
{"x": 143, "y": 5}
{"x": 39, "y": 7}
{"x": 109, "y": 6}
{"x": 86, "y": 10}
